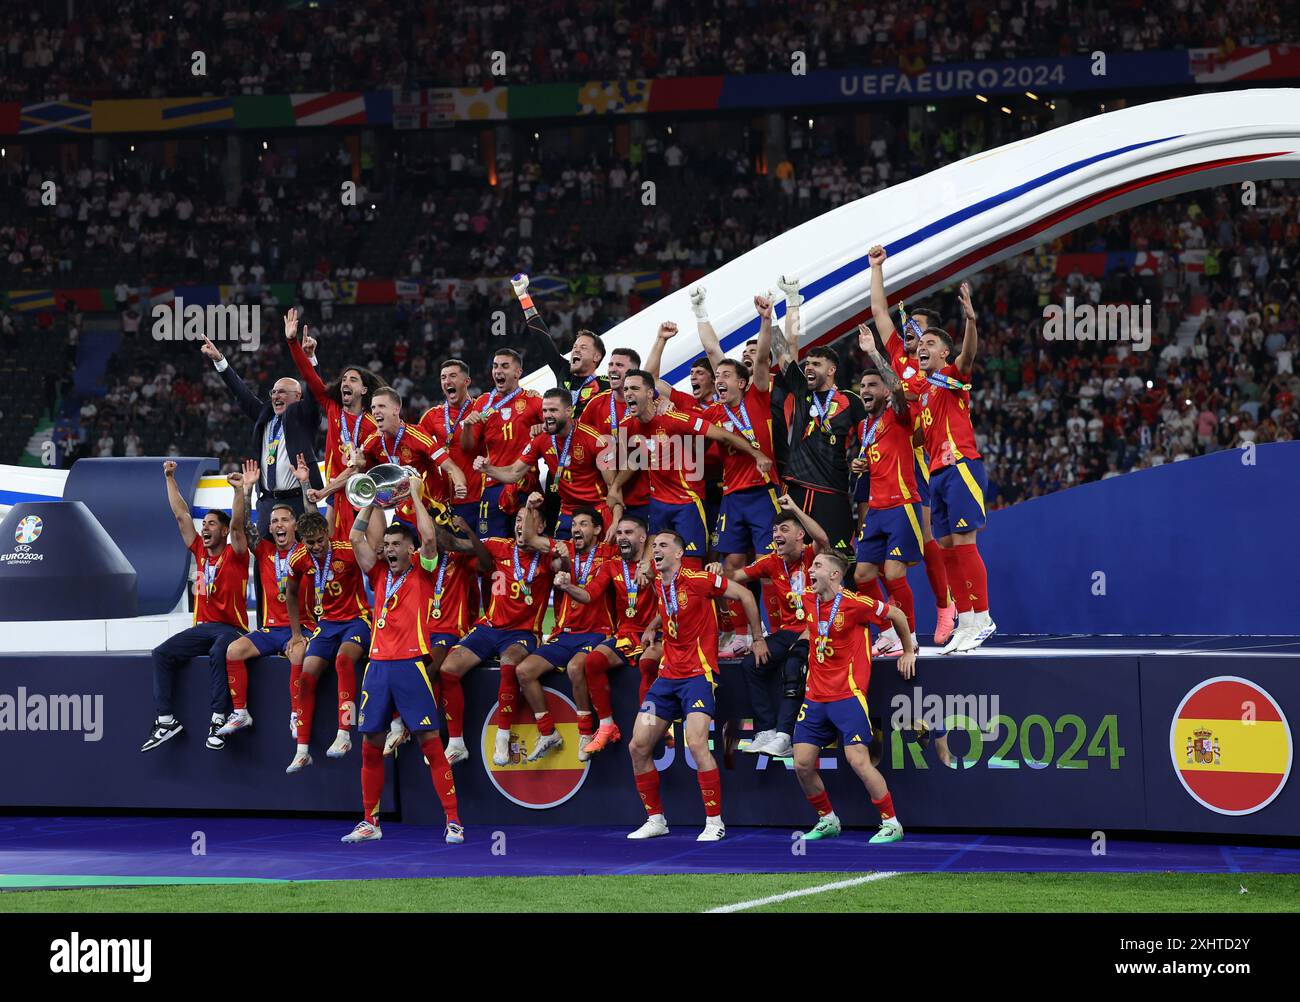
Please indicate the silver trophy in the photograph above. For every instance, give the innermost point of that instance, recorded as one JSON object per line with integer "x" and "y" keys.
{"x": 384, "y": 486}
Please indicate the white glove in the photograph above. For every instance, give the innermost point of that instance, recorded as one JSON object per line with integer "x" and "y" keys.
{"x": 520, "y": 283}
{"x": 790, "y": 286}
{"x": 697, "y": 303}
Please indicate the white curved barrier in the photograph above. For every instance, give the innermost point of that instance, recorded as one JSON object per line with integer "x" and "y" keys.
{"x": 962, "y": 218}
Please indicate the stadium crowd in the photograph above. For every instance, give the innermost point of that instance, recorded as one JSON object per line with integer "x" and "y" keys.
{"x": 137, "y": 48}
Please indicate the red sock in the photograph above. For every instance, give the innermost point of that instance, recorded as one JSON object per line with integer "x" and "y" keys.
{"x": 822, "y": 804}
{"x": 453, "y": 705}
{"x": 307, "y": 707}
{"x": 295, "y": 674}
{"x": 957, "y": 579}
{"x": 372, "y": 779}
{"x": 507, "y": 696}
{"x": 586, "y": 723}
{"x": 881, "y": 587}
{"x": 885, "y": 805}
{"x": 346, "y": 669}
{"x": 545, "y": 725}
{"x": 937, "y": 571}
{"x": 237, "y": 676}
{"x": 711, "y": 791}
{"x": 647, "y": 784}
{"x": 649, "y": 669}
{"x": 440, "y": 770}
{"x": 597, "y": 668}
{"x": 977, "y": 577}
{"x": 900, "y": 594}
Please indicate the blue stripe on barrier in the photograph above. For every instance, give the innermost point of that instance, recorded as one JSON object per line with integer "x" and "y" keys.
{"x": 18, "y": 497}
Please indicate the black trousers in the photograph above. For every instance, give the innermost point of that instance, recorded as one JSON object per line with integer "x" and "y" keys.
{"x": 776, "y": 689}
{"x": 203, "y": 639}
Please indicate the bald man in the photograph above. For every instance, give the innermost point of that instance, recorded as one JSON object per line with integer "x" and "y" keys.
{"x": 284, "y": 427}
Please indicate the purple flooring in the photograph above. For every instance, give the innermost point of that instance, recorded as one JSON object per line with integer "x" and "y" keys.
{"x": 310, "y": 850}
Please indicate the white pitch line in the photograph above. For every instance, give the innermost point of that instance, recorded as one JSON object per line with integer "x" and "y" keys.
{"x": 740, "y": 906}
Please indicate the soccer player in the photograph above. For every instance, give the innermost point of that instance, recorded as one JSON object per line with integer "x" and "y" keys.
{"x": 901, "y": 352}
{"x": 632, "y": 642}
{"x": 835, "y": 707}
{"x": 342, "y": 634}
{"x": 571, "y": 452}
{"x": 957, "y": 478}
{"x": 498, "y": 426}
{"x": 277, "y": 635}
{"x": 579, "y": 629}
{"x": 512, "y": 623}
{"x": 604, "y": 412}
{"x": 684, "y": 688}
{"x": 442, "y": 423}
{"x": 398, "y": 674}
{"x": 220, "y": 548}
{"x": 345, "y": 403}
{"x": 796, "y": 539}
{"x": 576, "y": 374}
{"x": 890, "y": 537}
{"x": 671, "y": 448}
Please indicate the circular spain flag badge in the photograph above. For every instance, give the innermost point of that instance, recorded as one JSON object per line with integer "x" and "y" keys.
{"x": 553, "y": 778}
{"x": 1231, "y": 745}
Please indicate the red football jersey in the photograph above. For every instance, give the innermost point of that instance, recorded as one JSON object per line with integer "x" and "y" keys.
{"x": 502, "y": 437}
{"x": 400, "y": 631}
{"x": 613, "y": 580}
{"x": 453, "y": 594}
{"x": 220, "y": 586}
{"x": 509, "y": 608}
{"x": 751, "y": 420}
{"x": 580, "y": 482}
{"x": 273, "y": 571}
{"x": 442, "y": 424}
{"x": 846, "y": 670}
{"x": 604, "y": 414}
{"x": 887, "y": 445}
{"x": 673, "y": 445}
{"x": 690, "y": 632}
{"x": 340, "y": 592}
{"x": 790, "y": 581}
{"x": 343, "y": 431}
{"x": 907, "y": 368}
{"x": 572, "y": 616}
{"x": 945, "y": 420}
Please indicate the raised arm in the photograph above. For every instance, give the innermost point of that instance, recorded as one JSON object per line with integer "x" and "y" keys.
{"x": 306, "y": 364}
{"x": 243, "y": 486}
{"x": 654, "y": 361}
{"x": 970, "y": 339}
{"x": 541, "y": 340}
{"x": 249, "y": 402}
{"x": 457, "y": 477}
{"x": 360, "y": 539}
{"x": 424, "y": 521}
{"x": 532, "y": 539}
{"x": 181, "y": 511}
{"x": 793, "y": 300}
{"x": 762, "y": 375}
{"x": 708, "y": 336}
{"x": 879, "y": 303}
{"x": 816, "y": 533}
{"x": 469, "y": 544}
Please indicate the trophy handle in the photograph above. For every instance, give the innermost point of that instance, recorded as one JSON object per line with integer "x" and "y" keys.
{"x": 360, "y": 490}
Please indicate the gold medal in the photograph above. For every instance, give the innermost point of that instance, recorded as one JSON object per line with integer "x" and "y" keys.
{"x": 820, "y": 657}
{"x": 528, "y": 599}
{"x": 320, "y": 610}
{"x": 437, "y": 613}
{"x": 270, "y": 459}
{"x": 380, "y": 623}
{"x": 799, "y": 613}
{"x": 631, "y": 611}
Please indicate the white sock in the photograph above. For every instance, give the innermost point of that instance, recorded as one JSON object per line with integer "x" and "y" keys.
{"x": 831, "y": 816}
{"x": 344, "y": 733}
{"x": 965, "y": 619}
{"x": 217, "y": 718}
{"x": 606, "y": 721}
{"x": 302, "y": 749}
{"x": 503, "y": 734}
{"x": 458, "y": 742}
{"x": 169, "y": 719}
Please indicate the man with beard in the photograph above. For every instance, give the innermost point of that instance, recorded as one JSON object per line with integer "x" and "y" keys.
{"x": 603, "y": 414}
{"x": 346, "y": 403}
{"x": 575, "y": 374}
{"x": 442, "y": 423}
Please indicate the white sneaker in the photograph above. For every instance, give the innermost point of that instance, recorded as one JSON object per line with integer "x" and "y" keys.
{"x": 455, "y": 834}
{"x": 983, "y": 629}
{"x": 299, "y": 763}
{"x": 545, "y": 742}
{"x": 758, "y": 740}
{"x": 237, "y": 721}
{"x": 456, "y": 750}
{"x": 790, "y": 286}
{"x": 363, "y": 832}
{"x": 887, "y": 641}
{"x": 714, "y": 830}
{"x": 697, "y": 303}
{"x": 654, "y": 826}
{"x": 293, "y": 725}
{"x": 738, "y": 646}
{"x": 965, "y": 624}
{"x": 501, "y": 753}
{"x": 583, "y": 741}
{"x": 341, "y": 746}
{"x": 397, "y": 735}
{"x": 778, "y": 747}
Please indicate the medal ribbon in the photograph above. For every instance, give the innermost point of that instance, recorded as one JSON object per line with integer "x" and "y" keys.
{"x": 820, "y": 410}
{"x": 350, "y": 435}
{"x": 323, "y": 573}
{"x": 946, "y": 382}
{"x": 824, "y": 628}
{"x": 397, "y": 440}
{"x": 390, "y": 593}
{"x": 273, "y": 445}
{"x": 519, "y": 567}
{"x": 505, "y": 401}
{"x": 282, "y": 572}
{"x": 632, "y": 588}
{"x": 210, "y": 570}
{"x": 742, "y": 423}
{"x": 575, "y": 394}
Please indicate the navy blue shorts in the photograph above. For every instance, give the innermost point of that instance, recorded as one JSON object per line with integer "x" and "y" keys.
{"x": 443, "y": 640}
{"x": 844, "y": 720}
{"x": 745, "y": 521}
{"x": 922, "y": 471}
{"x": 673, "y": 698}
{"x": 270, "y": 640}
{"x": 891, "y": 534}
{"x": 330, "y": 636}
{"x": 957, "y": 498}
{"x": 489, "y": 642}
{"x": 641, "y": 511}
{"x": 468, "y": 510}
{"x": 492, "y": 521}
{"x": 564, "y": 648}
{"x": 687, "y": 520}
{"x": 627, "y": 646}
{"x": 401, "y": 685}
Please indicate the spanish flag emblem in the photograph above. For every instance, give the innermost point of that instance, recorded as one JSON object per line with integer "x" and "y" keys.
{"x": 1231, "y": 745}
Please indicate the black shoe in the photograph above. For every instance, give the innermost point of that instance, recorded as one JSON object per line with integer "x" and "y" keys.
{"x": 215, "y": 741}
{"x": 161, "y": 732}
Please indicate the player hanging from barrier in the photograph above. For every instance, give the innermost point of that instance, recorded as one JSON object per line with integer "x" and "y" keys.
{"x": 835, "y": 705}
{"x": 901, "y": 353}
{"x": 686, "y": 682}
{"x": 398, "y": 676}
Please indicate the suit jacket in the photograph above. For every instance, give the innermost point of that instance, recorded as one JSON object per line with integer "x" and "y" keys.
{"x": 301, "y": 423}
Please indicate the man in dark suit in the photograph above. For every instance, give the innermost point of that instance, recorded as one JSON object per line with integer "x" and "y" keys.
{"x": 284, "y": 427}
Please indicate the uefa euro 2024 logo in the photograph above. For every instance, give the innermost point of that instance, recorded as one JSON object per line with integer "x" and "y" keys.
{"x": 29, "y": 529}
